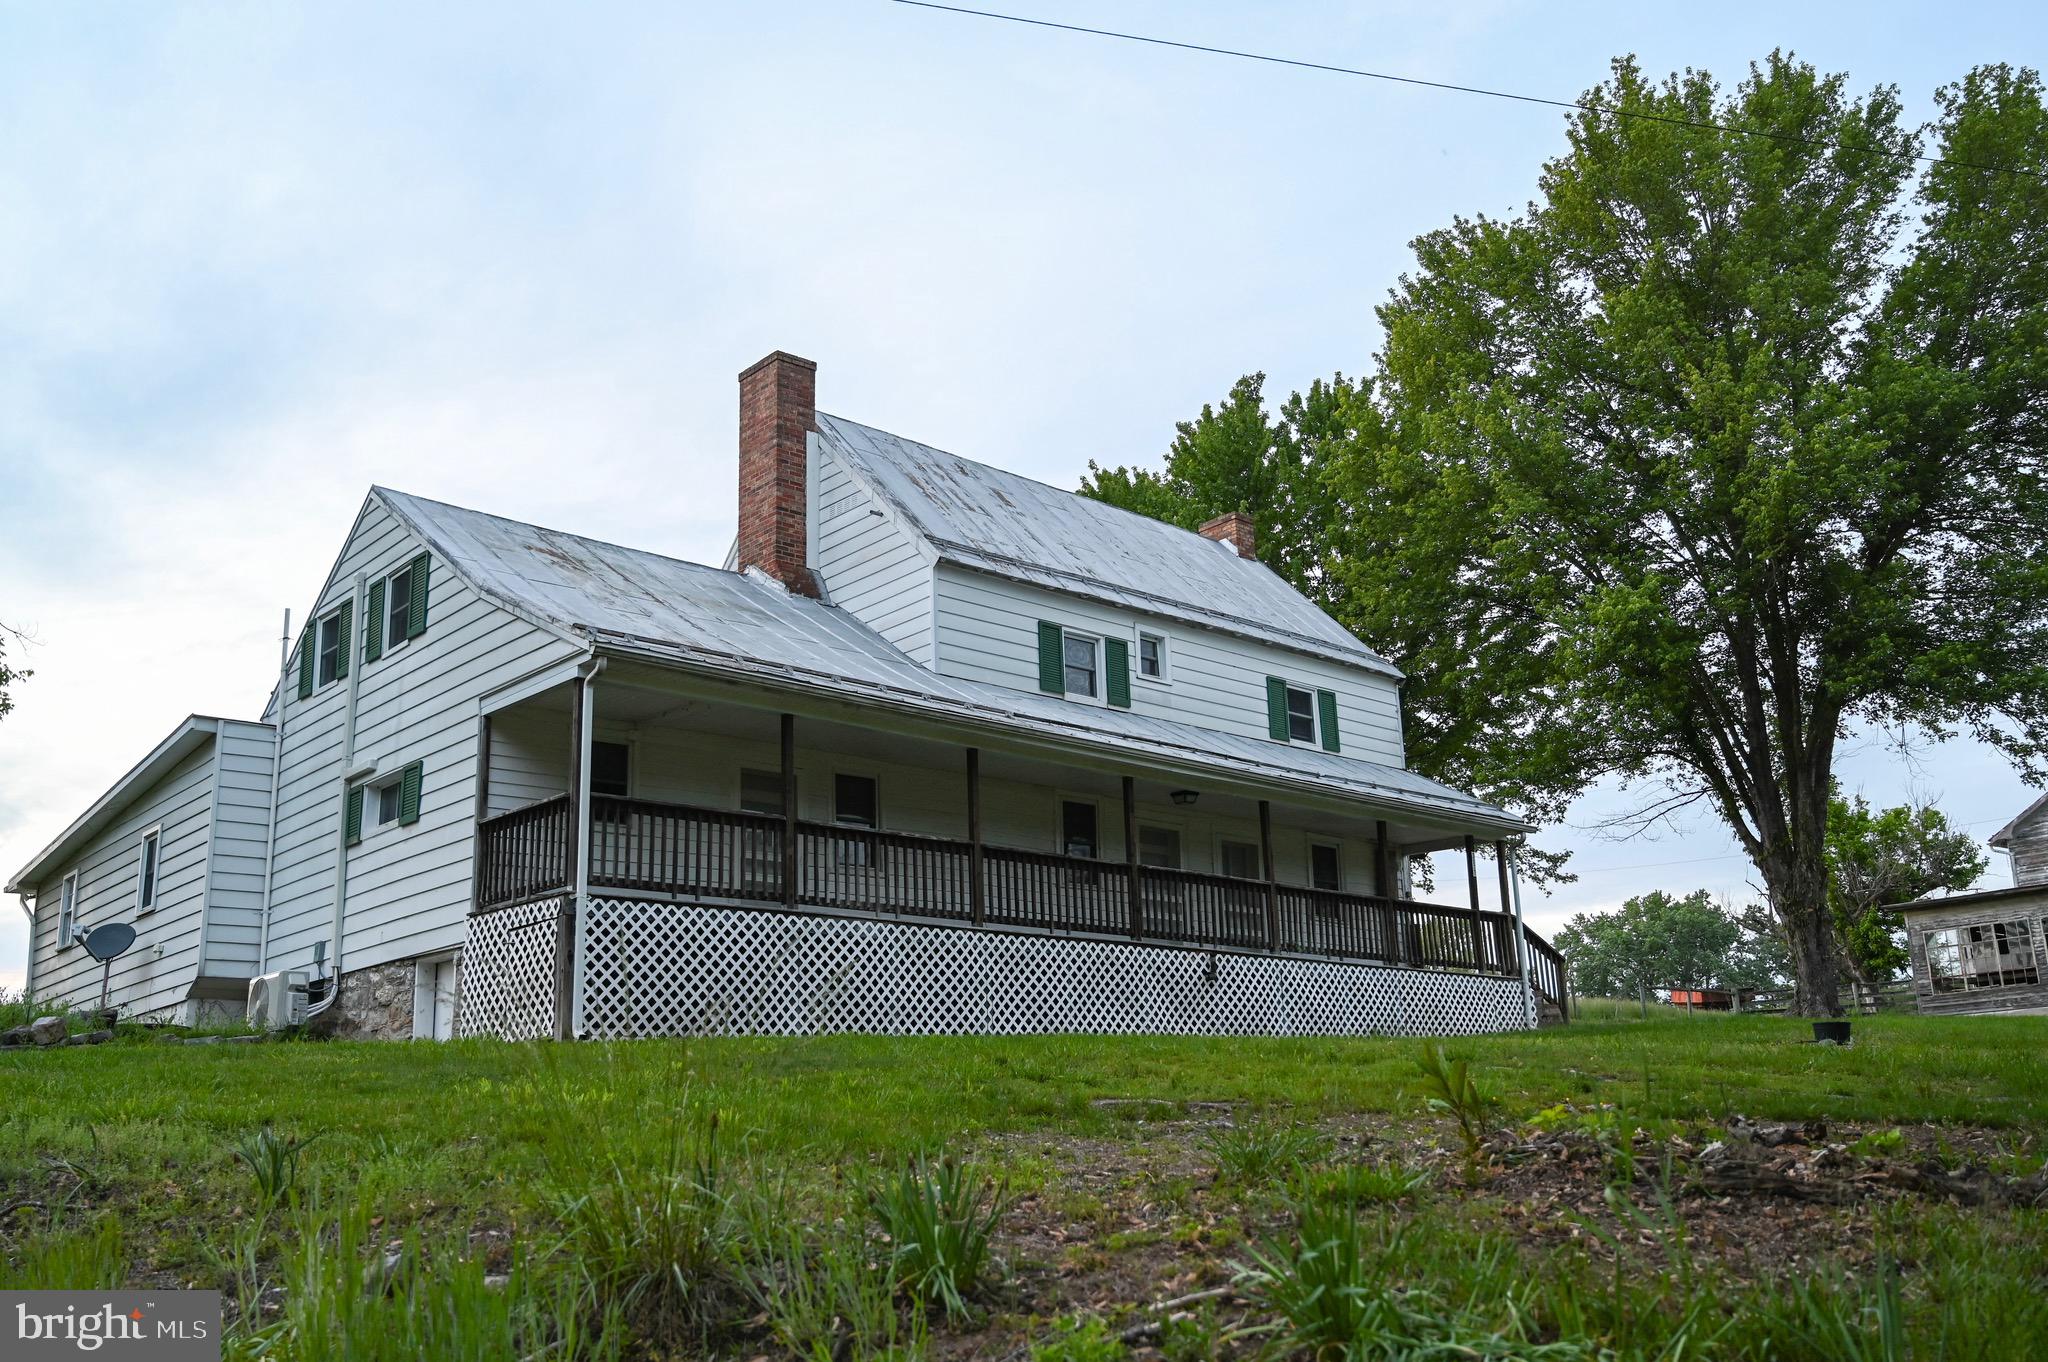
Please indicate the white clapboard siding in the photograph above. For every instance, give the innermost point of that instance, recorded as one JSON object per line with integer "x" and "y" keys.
{"x": 692, "y": 767}
{"x": 241, "y": 825}
{"x": 157, "y": 974}
{"x": 988, "y": 631}
{"x": 874, "y": 567}
{"x": 408, "y": 887}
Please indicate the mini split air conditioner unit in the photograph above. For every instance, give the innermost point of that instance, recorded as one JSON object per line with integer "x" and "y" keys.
{"x": 278, "y": 999}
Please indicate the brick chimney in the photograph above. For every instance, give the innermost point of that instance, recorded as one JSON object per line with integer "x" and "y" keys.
{"x": 778, "y": 409}
{"x": 1233, "y": 528}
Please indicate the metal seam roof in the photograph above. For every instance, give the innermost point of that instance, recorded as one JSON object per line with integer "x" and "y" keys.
{"x": 1000, "y": 522}
{"x": 748, "y": 625}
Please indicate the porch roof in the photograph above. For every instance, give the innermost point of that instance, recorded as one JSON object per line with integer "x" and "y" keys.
{"x": 745, "y": 625}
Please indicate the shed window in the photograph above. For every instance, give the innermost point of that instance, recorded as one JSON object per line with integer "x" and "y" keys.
{"x": 67, "y": 910}
{"x": 145, "y": 894}
{"x": 1989, "y": 955}
{"x": 610, "y": 769}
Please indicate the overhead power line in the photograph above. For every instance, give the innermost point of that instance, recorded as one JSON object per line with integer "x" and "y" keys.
{"x": 1701, "y": 124}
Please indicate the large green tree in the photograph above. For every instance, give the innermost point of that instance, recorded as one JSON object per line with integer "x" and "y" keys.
{"x": 1880, "y": 857}
{"x": 1731, "y": 441}
{"x": 1652, "y": 942}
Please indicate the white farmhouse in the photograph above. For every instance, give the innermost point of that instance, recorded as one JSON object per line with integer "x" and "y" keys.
{"x": 939, "y": 749}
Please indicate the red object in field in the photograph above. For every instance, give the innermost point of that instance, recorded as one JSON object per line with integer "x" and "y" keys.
{"x": 1710, "y": 999}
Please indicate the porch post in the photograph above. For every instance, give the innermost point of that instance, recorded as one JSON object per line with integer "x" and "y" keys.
{"x": 579, "y": 857}
{"x": 789, "y": 884}
{"x": 477, "y": 874}
{"x": 1383, "y": 887}
{"x": 1507, "y": 906}
{"x": 1522, "y": 952}
{"x": 1272, "y": 884}
{"x": 977, "y": 893}
{"x": 1472, "y": 879}
{"x": 1132, "y": 887}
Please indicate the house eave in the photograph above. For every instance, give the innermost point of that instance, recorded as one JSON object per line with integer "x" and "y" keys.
{"x": 193, "y": 733}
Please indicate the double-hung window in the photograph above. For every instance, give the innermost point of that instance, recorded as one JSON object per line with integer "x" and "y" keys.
{"x": 332, "y": 649}
{"x": 856, "y": 803}
{"x": 611, "y": 769}
{"x": 1083, "y": 658}
{"x": 1152, "y": 656}
{"x": 146, "y": 868}
{"x": 67, "y": 910}
{"x": 397, "y": 604}
{"x": 1299, "y": 714}
{"x": 1084, "y": 666}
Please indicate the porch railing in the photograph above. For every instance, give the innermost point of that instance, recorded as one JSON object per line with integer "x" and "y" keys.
{"x": 693, "y": 852}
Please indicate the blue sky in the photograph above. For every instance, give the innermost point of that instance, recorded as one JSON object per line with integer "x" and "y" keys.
{"x": 256, "y": 258}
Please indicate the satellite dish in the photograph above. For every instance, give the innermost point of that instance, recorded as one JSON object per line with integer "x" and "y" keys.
{"x": 108, "y": 940}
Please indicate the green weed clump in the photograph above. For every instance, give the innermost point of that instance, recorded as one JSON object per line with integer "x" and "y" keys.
{"x": 938, "y": 1217}
{"x": 1449, "y": 1087}
{"x": 273, "y": 1162}
{"x": 1357, "y": 1184}
{"x": 1245, "y": 1155}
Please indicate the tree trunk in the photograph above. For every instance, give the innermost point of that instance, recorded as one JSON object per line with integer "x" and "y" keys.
{"x": 1797, "y": 881}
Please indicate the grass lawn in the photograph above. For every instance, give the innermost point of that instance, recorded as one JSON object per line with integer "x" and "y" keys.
{"x": 1060, "y": 1197}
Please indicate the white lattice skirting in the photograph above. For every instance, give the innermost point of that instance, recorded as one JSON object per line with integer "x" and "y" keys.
{"x": 660, "y": 969}
{"x": 508, "y": 972}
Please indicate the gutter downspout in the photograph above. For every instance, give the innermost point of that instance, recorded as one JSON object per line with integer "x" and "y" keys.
{"x": 28, "y": 978}
{"x": 348, "y": 766}
{"x": 1521, "y": 942}
{"x": 284, "y": 657}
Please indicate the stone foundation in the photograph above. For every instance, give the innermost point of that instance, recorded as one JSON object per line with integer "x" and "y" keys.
{"x": 375, "y": 1003}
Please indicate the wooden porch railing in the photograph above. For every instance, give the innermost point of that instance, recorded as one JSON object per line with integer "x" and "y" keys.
{"x": 701, "y": 853}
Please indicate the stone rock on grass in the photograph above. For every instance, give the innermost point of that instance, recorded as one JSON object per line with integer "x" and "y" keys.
{"x": 47, "y": 1030}
{"x": 16, "y": 1035}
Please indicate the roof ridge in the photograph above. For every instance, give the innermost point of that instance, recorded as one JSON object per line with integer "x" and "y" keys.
{"x": 549, "y": 529}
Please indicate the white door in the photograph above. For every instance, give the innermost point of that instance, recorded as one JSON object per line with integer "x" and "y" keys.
{"x": 444, "y": 1000}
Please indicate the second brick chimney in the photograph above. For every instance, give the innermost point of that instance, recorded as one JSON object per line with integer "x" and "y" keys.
{"x": 778, "y": 411}
{"x": 1233, "y": 528}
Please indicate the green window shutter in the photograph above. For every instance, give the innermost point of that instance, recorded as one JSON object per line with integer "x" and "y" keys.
{"x": 409, "y": 794}
{"x": 1326, "y": 712}
{"x": 1116, "y": 659}
{"x": 373, "y": 627}
{"x": 416, "y": 608}
{"x": 352, "y": 816}
{"x": 1052, "y": 662}
{"x": 1276, "y": 708}
{"x": 348, "y": 610}
{"x": 306, "y": 662}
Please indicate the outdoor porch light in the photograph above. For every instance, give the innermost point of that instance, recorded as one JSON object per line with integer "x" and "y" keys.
{"x": 1184, "y": 796}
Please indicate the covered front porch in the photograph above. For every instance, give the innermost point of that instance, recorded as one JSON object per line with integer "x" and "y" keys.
{"x": 651, "y": 786}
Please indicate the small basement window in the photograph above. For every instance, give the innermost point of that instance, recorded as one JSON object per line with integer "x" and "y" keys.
{"x": 145, "y": 893}
{"x": 611, "y": 769}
